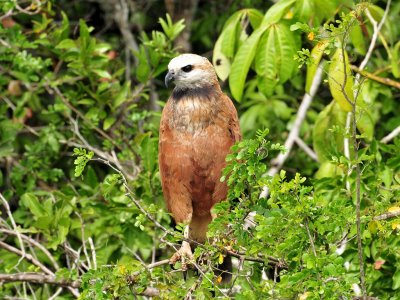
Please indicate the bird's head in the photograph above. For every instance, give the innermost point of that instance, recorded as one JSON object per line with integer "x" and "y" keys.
{"x": 190, "y": 71}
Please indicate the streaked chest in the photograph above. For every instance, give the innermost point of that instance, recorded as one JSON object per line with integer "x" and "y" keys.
{"x": 192, "y": 115}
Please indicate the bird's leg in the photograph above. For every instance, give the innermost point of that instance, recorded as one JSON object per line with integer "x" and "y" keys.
{"x": 184, "y": 254}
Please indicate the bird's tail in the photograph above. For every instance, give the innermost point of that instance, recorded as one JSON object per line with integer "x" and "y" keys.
{"x": 225, "y": 270}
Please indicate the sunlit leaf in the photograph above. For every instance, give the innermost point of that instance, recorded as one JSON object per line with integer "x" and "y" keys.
{"x": 341, "y": 81}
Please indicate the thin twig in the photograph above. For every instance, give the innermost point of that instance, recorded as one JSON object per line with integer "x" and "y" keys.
{"x": 14, "y": 225}
{"x": 55, "y": 295}
{"x": 130, "y": 194}
{"x": 77, "y": 112}
{"x": 310, "y": 238}
{"x": 306, "y": 148}
{"x": 93, "y": 250}
{"x": 84, "y": 241}
{"x": 34, "y": 243}
{"x": 193, "y": 288}
{"x": 239, "y": 269}
{"x": 26, "y": 256}
{"x": 346, "y": 147}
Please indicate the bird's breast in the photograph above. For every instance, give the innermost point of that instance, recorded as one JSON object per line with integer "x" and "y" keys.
{"x": 193, "y": 115}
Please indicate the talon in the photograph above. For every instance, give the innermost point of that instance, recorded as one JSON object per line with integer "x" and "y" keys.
{"x": 184, "y": 254}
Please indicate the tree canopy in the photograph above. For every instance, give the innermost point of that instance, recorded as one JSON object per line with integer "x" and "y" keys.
{"x": 314, "y": 187}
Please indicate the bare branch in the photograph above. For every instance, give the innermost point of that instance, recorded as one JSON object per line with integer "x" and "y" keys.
{"x": 195, "y": 285}
{"x": 93, "y": 250}
{"x": 51, "y": 88}
{"x": 26, "y": 256}
{"x": 383, "y": 80}
{"x": 38, "y": 278}
{"x": 130, "y": 194}
{"x": 34, "y": 243}
{"x": 387, "y": 215}
{"x": 391, "y": 135}
{"x": 310, "y": 238}
{"x": 306, "y": 148}
{"x": 294, "y": 132}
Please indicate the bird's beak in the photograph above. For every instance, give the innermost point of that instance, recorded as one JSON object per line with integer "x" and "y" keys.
{"x": 169, "y": 78}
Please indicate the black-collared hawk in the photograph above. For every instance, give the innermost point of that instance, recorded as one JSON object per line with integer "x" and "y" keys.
{"x": 199, "y": 124}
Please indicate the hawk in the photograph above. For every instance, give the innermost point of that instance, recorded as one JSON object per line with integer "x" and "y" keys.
{"x": 199, "y": 124}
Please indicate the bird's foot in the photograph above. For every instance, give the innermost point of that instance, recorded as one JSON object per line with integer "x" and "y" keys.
{"x": 184, "y": 254}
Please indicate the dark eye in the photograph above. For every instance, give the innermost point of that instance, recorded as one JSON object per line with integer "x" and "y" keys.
{"x": 187, "y": 68}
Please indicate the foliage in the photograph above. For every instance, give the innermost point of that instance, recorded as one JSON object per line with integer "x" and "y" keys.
{"x": 79, "y": 117}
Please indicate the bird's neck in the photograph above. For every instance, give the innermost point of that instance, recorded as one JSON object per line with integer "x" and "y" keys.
{"x": 193, "y": 110}
{"x": 201, "y": 92}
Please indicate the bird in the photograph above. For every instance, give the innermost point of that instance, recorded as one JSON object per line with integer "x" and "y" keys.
{"x": 199, "y": 124}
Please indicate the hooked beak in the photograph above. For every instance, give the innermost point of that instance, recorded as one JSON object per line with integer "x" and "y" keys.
{"x": 169, "y": 78}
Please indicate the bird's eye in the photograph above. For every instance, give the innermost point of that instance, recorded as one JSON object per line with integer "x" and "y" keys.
{"x": 187, "y": 68}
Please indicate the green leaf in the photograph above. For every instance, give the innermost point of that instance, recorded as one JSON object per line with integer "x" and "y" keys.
{"x": 337, "y": 79}
{"x": 172, "y": 30}
{"x": 222, "y": 64}
{"x": 357, "y": 39}
{"x": 255, "y": 17}
{"x": 30, "y": 201}
{"x": 326, "y": 142}
{"x": 229, "y": 34}
{"x": 395, "y": 60}
{"x": 122, "y": 95}
{"x": 396, "y": 280}
{"x": 303, "y": 10}
{"x": 108, "y": 122}
{"x": 102, "y": 74}
{"x": 274, "y": 59}
{"x": 328, "y": 169}
{"x": 241, "y": 63}
{"x": 365, "y": 122}
{"x": 316, "y": 55}
{"x": 66, "y": 44}
{"x": 277, "y": 11}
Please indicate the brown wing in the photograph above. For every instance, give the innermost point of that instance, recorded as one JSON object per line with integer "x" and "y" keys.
{"x": 175, "y": 168}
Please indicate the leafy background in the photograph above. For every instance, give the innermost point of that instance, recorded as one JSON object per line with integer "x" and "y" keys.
{"x": 81, "y": 95}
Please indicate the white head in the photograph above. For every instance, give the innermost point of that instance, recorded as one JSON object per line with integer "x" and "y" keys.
{"x": 190, "y": 71}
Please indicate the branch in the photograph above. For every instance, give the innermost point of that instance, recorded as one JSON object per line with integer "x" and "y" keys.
{"x": 34, "y": 243}
{"x": 383, "y": 80}
{"x": 14, "y": 225}
{"x": 104, "y": 155}
{"x": 294, "y": 132}
{"x": 306, "y": 148}
{"x": 391, "y": 135}
{"x": 269, "y": 260}
{"x": 377, "y": 29}
{"x": 130, "y": 194}
{"x": 34, "y": 261}
{"x": 78, "y": 113}
{"x": 387, "y": 215}
{"x": 38, "y": 278}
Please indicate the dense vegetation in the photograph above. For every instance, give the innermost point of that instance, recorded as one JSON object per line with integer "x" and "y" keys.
{"x": 314, "y": 202}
